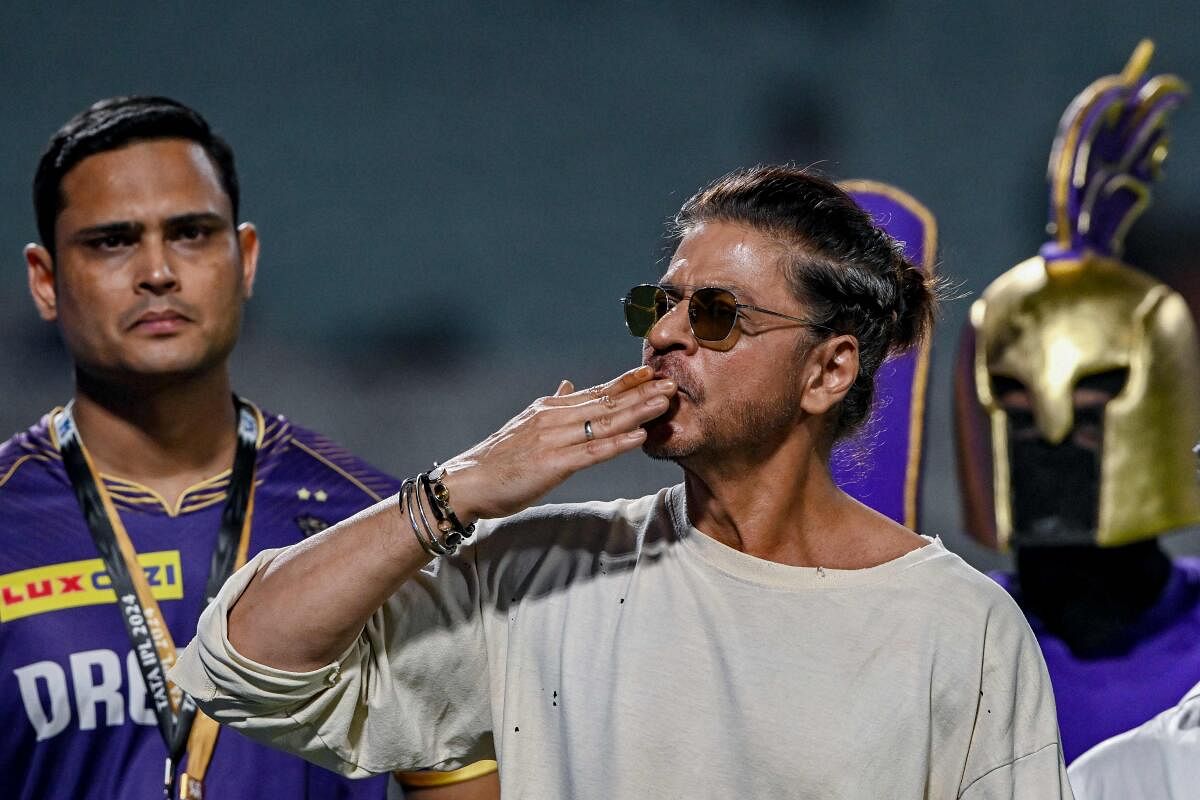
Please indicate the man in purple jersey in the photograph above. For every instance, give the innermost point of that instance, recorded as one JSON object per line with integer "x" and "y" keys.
{"x": 119, "y": 508}
{"x": 1078, "y": 398}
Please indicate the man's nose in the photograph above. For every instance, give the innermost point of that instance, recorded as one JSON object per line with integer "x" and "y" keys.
{"x": 155, "y": 272}
{"x": 673, "y": 330}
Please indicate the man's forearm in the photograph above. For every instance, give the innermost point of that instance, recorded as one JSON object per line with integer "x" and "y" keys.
{"x": 305, "y": 608}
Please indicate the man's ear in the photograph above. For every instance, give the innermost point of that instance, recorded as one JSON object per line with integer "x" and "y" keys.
{"x": 248, "y": 244}
{"x": 830, "y": 369}
{"x": 40, "y": 267}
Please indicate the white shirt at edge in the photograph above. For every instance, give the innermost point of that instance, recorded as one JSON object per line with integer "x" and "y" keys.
{"x": 1159, "y": 759}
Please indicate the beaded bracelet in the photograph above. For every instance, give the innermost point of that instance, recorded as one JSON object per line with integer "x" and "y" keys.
{"x": 452, "y": 533}
{"x": 439, "y": 501}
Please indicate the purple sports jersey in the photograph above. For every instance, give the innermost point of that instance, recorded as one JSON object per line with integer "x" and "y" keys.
{"x": 1100, "y": 697}
{"x": 77, "y": 722}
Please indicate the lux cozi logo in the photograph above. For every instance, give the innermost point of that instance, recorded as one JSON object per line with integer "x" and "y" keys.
{"x": 82, "y": 583}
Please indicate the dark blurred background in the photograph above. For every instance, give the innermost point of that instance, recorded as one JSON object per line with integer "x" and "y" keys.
{"x": 452, "y": 196}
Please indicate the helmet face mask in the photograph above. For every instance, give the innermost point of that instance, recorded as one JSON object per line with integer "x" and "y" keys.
{"x": 1055, "y": 492}
{"x": 1055, "y": 487}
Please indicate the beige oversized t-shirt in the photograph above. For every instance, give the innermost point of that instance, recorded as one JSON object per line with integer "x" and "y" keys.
{"x": 611, "y": 650}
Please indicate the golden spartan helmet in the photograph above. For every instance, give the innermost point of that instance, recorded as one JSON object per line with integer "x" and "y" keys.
{"x": 1073, "y": 315}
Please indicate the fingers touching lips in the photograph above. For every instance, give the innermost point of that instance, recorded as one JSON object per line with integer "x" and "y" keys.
{"x": 667, "y": 367}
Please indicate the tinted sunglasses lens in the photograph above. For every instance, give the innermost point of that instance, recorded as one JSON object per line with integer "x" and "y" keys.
{"x": 644, "y": 305}
{"x": 713, "y": 313}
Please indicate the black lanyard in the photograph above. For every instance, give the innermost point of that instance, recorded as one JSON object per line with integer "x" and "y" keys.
{"x": 147, "y": 631}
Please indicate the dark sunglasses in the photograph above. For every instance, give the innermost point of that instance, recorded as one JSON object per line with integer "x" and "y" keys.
{"x": 712, "y": 312}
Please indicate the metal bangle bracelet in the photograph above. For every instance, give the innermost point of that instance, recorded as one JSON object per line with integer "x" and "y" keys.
{"x": 406, "y": 504}
{"x": 408, "y": 491}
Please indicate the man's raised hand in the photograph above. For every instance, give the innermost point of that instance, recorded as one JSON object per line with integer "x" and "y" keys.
{"x": 553, "y": 438}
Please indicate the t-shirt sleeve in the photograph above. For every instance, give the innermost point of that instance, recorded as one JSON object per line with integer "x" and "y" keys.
{"x": 1015, "y": 749}
{"x": 411, "y": 692}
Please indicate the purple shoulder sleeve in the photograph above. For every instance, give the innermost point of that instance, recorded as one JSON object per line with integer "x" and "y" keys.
{"x": 290, "y": 451}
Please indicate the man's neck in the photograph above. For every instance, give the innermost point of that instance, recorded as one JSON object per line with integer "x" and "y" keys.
{"x": 167, "y": 438}
{"x": 1092, "y": 597}
{"x": 784, "y": 506}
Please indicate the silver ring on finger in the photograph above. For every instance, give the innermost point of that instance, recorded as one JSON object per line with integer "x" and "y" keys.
{"x": 588, "y": 433}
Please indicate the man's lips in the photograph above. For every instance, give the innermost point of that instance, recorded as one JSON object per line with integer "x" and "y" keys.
{"x": 681, "y": 388}
{"x": 676, "y": 400}
{"x": 159, "y": 322}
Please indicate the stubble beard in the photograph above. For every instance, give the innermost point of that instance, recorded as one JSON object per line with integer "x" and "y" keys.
{"x": 738, "y": 432}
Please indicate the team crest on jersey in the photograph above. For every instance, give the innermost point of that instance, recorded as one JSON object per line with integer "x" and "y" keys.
{"x": 71, "y": 584}
{"x": 310, "y": 525}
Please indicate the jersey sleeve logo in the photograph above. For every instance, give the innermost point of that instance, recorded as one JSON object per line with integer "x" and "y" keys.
{"x": 70, "y": 584}
{"x": 310, "y": 525}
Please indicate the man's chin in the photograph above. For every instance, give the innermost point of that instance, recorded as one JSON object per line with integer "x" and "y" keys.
{"x": 665, "y": 444}
{"x": 151, "y": 373}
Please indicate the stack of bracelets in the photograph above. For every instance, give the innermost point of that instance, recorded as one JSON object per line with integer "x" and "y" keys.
{"x": 444, "y": 538}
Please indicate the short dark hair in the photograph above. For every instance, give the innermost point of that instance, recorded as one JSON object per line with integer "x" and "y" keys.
{"x": 110, "y": 125}
{"x": 852, "y": 275}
